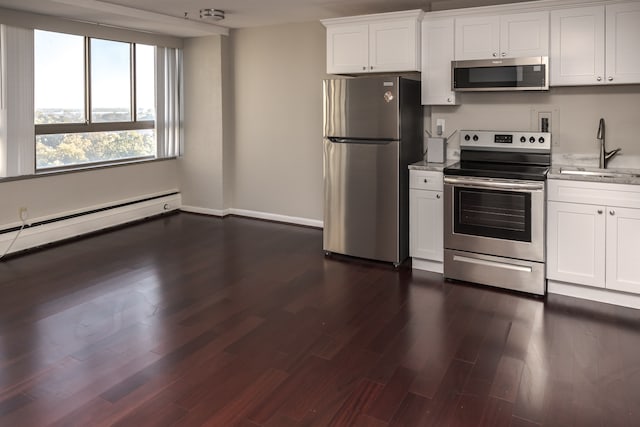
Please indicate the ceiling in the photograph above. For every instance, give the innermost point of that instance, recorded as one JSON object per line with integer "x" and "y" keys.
{"x": 168, "y": 16}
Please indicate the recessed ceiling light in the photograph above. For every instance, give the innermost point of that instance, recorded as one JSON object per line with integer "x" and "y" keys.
{"x": 212, "y": 14}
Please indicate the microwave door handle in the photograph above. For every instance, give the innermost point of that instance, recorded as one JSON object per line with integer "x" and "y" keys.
{"x": 491, "y": 185}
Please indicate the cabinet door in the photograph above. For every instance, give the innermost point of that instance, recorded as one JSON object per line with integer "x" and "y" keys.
{"x": 623, "y": 43}
{"x": 576, "y": 243}
{"x": 347, "y": 49}
{"x": 426, "y": 224}
{"x": 623, "y": 256}
{"x": 524, "y": 34}
{"x": 577, "y": 46}
{"x": 477, "y": 38}
{"x": 393, "y": 46}
{"x": 437, "y": 54}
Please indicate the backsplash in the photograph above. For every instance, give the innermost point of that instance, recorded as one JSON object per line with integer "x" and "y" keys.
{"x": 575, "y": 115}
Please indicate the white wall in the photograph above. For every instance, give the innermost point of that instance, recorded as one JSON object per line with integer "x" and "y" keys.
{"x": 577, "y": 112}
{"x": 277, "y": 157}
{"x": 57, "y": 194}
{"x": 201, "y": 168}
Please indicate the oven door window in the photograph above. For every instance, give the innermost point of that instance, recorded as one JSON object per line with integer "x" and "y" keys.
{"x": 492, "y": 213}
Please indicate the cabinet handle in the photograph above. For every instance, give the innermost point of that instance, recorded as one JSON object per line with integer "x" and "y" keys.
{"x": 612, "y": 212}
{"x": 599, "y": 211}
{"x": 437, "y": 196}
{"x": 599, "y": 79}
{"x": 371, "y": 67}
{"x": 364, "y": 68}
{"x": 504, "y": 54}
{"x": 495, "y": 54}
{"x": 449, "y": 100}
{"x": 610, "y": 79}
{"x": 425, "y": 180}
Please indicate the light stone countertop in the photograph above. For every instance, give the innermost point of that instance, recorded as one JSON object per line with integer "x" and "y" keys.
{"x": 629, "y": 174}
{"x": 433, "y": 167}
{"x": 627, "y": 168}
{"x": 623, "y": 176}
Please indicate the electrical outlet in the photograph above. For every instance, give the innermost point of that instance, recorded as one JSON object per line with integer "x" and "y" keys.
{"x": 544, "y": 121}
{"x": 23, "y": 213}
{"x": 440, "y": 127}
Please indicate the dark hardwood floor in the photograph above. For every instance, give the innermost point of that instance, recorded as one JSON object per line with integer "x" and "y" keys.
{"x": 189, "y": 320}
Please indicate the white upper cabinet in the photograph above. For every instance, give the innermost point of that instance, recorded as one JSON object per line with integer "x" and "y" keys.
{"x": 577, "y": 46}
{"x": 595, "y": 45}
{"x": 477, "y": 37}
{"x": 347, "y": 48}
{"x": 388, "y": 42}
{"x": 437, "y": 54}
{"x": 623, "y": 43}
{"x": 524, "y": 34}
{"x": 506, "y": 36}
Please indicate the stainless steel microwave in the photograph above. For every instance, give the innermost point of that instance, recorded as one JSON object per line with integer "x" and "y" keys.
{"x": 500, "y": 74}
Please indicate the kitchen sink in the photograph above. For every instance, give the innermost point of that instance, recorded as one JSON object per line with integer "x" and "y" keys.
{"x": 600, "y": 173}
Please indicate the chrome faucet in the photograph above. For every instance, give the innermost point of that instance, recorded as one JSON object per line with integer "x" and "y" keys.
{"x": 605, "y": 155}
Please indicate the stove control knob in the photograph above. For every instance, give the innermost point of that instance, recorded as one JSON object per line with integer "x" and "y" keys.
{"x": 475, "y": 137}
{"x": 523, "y": 139}
{"x": 467, "y": 137}
{"x": 532, "y": 140}
{"x": 541, "y": 140}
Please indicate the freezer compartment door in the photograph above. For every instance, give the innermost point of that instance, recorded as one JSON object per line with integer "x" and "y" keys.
{"x": 361, "y": 194}
{"x": 365, "y": 108}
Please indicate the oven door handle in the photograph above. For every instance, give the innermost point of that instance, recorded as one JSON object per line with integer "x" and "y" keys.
{"x": 491, "y": 184}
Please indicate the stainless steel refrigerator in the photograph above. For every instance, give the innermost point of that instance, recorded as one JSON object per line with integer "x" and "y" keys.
{"x": 372, "y": 131}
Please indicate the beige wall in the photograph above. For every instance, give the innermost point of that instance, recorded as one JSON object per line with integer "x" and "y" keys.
{"x": 228, "y": 124}
{"x": 253, "y": 130}
{"x": 53, "y": 195}
{"x": 201, "y": 167}
{"x": 278, "y": 74}
{"x": 577, "y": 111}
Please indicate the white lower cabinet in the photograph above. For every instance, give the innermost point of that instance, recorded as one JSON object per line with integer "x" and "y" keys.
{"x": 623, "y": 249}
{"x": 426, "y": 220}
{"x": 576, "y": 243}
{"x": 593, "y": 235}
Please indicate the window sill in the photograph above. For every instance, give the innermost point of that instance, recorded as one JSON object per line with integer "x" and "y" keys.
{"x": 85, "y": 168}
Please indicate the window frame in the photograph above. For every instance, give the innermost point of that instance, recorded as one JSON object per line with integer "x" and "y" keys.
{"x": 88, "y": 126}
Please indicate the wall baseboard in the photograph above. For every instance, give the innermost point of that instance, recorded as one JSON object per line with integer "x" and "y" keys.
{"x": 43, "y": 231}
{"x": 255, "y": 214}
{"x": 427, "y": 265}
{"x": 594, "y": 294}
{"x": 205, "y": 211}
{"x": 278, "y": 218}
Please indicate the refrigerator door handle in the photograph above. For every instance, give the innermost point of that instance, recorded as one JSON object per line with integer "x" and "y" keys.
{"x": 339, "y": 140}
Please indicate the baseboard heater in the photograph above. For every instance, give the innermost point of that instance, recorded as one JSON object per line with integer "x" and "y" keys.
{"x": 43, "y": 231}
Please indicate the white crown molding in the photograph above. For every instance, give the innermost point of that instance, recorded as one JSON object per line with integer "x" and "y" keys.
{"x": 403, "y": 14}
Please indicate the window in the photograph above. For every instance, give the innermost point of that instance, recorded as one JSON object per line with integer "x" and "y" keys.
{"x": 94, "y": 101}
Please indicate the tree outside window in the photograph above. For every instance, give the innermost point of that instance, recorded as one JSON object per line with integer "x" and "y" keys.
{"x": 94, "y": 101}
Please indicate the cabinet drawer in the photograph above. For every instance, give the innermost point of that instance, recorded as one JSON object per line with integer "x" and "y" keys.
{"x": 425, "y": 180}
{"x": 594, "y": 193}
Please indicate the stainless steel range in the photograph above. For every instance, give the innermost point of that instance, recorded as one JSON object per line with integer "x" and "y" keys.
{"x": 494, "y": 202}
